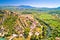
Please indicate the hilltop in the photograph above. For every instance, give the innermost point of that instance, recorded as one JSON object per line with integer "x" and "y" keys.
{"x": 13, "y": 23}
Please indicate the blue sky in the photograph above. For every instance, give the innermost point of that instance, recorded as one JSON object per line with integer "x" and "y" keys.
{"x": 34, "y": 3}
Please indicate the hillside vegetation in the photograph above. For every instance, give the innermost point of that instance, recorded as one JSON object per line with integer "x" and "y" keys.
{"x": 29, "y": 25}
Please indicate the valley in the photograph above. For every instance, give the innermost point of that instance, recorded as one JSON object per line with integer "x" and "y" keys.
{"x": 29, "y": 23}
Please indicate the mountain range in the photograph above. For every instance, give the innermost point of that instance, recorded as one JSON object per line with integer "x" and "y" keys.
{"x": 29, "y": 8}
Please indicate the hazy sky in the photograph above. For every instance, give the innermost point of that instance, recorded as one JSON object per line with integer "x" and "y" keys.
{"x": 35, "y": 3}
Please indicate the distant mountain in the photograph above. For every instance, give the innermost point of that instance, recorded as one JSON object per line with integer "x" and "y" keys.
{"x": 29, "y": 8}
{"x": 25, "y": 6}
